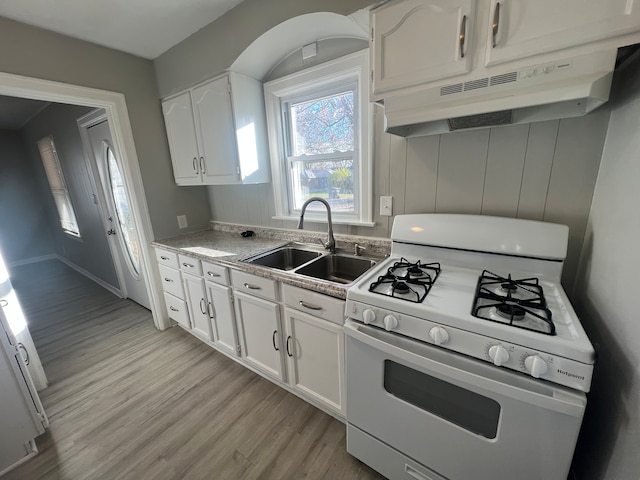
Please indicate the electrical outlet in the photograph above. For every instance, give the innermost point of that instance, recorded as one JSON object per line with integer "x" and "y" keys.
{"x": 182, "y": 221}
{"x": 386, "y": 206}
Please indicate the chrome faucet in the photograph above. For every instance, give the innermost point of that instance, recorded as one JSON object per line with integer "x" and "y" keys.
{"x": 331, "y": 242}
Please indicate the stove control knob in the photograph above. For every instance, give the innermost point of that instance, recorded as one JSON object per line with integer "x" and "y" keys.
{"x": 498, "y": 354}
{"x": 439, "y": 335}
{"x": 368, "y": 316}
{"x": 535, "y": 366}
{"x": 390, "y": 322}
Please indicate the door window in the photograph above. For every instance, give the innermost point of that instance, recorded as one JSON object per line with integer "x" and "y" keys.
{"x": 457, "y": 405}
{"x": 123, "y": 212}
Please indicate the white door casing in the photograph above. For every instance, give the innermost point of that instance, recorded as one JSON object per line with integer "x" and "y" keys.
{"x": 118, "y": 115}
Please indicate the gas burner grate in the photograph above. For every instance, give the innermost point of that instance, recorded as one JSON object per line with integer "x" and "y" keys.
{"x": 410, "y": 281}
{"x": 519, "y": 303}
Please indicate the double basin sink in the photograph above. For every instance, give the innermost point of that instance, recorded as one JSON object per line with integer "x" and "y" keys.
{"x": 311, "y": 261}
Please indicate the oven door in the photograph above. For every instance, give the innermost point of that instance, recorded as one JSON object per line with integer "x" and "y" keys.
{"x": 460, "y": 417}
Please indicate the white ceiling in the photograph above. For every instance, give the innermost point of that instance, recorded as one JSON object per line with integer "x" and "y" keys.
{"x": 146, "y": 28}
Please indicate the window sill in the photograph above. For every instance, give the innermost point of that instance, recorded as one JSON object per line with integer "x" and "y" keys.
{"x": 323, "y": 219}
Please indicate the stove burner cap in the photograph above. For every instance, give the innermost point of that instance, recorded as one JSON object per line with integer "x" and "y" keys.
{"x": 510, "y": 311}
{"x": 414, "y": 270}
{"x": 400, "y": 287}
{"x": 509, "y": 287}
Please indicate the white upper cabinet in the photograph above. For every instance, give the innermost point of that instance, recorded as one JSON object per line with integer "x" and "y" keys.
{"x": 419, "y": 41}
{"x": 183, "y": 145}
{"x": 523, "y": 28}
{"x": 217, "y": 132}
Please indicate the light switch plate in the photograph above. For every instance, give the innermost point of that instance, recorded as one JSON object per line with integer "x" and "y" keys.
{"x": 386, "y": 206}
{"x": 182, "y": 221}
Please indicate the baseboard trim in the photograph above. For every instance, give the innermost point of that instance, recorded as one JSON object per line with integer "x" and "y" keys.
{"x": 26, "y": 261}
{"x": 90, "y": 276}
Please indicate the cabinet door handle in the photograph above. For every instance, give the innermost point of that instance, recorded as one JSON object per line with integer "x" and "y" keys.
{"x": 309, "y": 306}
{"x": 251, "y": 287}
{"x": 168, "y": 280}
{"x": 188, "y": 265}
{"x": 173, "y": 309}
{"x": 164, "y": 258}
{"x": 3, "y": 303}
{"x": 210, "y": 310}
{"x": 496, "y": 24}
{"x": 203, "y": 305}
{"x": 463, "y": 31}
{"x": 288, "y": 350}
{"x": 273, "y": 339}
{"x": 25, "y": 357}
{"x": 195, "y": 164}
{"x": 202, "y": 164}
{"x": 211, "y": 274}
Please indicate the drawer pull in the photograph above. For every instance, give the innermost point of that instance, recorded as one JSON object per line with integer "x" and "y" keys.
{"x": 187, "y": 265}
{"x": 173, "y": 309}
{"x": 164, "y": 258}
{"x": 309, "y": 306}
{"x": 167, "y": 279}
{"x": 211, "y": 274}
{"x": 273, "y": 339}
{"x": 251, "y": 287}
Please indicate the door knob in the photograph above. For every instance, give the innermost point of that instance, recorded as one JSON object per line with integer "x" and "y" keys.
{"x": 111, "y": 231}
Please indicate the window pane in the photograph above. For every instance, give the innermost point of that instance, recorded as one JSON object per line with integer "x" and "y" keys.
{"x": 328, "y": 179}
{"x": 322, "y": 125}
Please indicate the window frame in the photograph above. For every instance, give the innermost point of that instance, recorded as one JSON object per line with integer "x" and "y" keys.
{"x": 343, "y": 73}
{"x": 63, "y": 191}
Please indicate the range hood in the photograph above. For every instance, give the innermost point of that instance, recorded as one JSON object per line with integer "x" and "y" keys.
{"x": 543, "y": 91}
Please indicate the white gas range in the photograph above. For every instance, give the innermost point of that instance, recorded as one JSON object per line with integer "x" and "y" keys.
{"x": 488, "y": 288}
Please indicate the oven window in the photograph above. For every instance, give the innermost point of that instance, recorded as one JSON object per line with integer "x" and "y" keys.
{"x": 462, "y": 407}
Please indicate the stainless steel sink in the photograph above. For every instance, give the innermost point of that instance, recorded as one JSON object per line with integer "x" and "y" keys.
{"x": 285, "y": 258}
{"x": 337, "y": 268}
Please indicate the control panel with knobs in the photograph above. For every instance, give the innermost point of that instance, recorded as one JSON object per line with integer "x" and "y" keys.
{"x": 535, "y": 365}
{"x": 498, "y": 354}
{"x": 390, "y": 322}
{"x": 368, "y": 316}
{"x": 439, "y": 335}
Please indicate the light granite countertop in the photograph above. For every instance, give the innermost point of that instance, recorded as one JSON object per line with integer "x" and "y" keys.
{"x": 224, "y": 245}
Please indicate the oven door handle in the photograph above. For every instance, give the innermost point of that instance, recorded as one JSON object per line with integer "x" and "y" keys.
{"x": 468, "y": 373}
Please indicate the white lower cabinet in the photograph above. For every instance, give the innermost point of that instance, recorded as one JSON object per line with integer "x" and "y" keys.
{"x": 315, "y": 352}
{"x": 260, "y": 331}
{"x": 196, "y": 299}
{"x": 223, "y": 322}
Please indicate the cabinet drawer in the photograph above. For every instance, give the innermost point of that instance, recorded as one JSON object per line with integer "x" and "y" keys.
{"x": 254, "y": 285}
{"x": 215, "y": 273}
{"x": 171, "y": 281}
{"x": 313, "y": 303}
{"x": 177, "y": 309}
{"x": 165, "y": 257}
{"x": 190, "y": 265}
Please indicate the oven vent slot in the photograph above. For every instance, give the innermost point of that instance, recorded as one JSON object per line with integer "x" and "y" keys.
{"x": 449, "y": 89}
{"x": 475, "y": 84}
{"x": 504, "y": 78}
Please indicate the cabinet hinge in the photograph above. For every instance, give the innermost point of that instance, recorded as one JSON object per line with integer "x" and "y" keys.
{"x": 238, "y": 170}
{"x": 238, "y": 350}
{"x": 372, "y": 34}
{"x": 231, "y": 296}
{"x": 228, "y": 88}
{"x": 371, "y": 76}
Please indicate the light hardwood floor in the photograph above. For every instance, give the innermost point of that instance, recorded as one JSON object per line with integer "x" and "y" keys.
{"x": 126, "y": 401}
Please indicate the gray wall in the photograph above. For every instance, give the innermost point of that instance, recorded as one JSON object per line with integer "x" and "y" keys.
{"x": 25, "y": 232}
{"x": 541, "y": 171}
{"x": 607, "y": 299}
{"x": 91, "y": 250}
{"x": 211, "y": 50}
{"x": 34, "y": 52}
